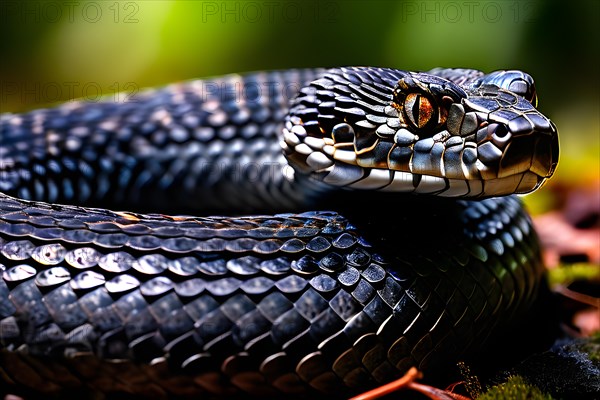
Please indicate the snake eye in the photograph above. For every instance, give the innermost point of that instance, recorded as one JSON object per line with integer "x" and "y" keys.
{"x": 419, "y": 109}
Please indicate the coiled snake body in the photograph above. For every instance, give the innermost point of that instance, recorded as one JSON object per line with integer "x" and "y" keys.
{"x": 317, "y": 300}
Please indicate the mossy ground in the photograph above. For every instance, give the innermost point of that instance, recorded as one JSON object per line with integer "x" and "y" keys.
{"x": 516, "y": 388}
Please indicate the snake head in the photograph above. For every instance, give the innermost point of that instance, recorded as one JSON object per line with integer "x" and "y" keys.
{"x": 444, "y": 132}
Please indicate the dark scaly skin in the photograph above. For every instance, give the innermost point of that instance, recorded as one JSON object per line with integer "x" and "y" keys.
{"x": 93, "y": 300}
{"x": 183, "y": 148}
{"x": 321, "y": 310}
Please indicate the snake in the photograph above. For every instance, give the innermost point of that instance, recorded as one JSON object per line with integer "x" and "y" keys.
{"x": 284, "y": 233}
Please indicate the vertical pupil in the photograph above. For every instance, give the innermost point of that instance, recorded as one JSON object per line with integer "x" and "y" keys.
{"x": 418, "y": 109}
{"x": 409, "y": 108}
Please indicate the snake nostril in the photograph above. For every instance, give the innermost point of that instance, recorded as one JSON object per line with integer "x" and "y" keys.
{"x": 501, "y": 131}
{"x": 500, "y": 135}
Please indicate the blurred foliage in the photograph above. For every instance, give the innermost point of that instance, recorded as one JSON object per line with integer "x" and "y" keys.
{"x": 573, "y": 272}
{"x": 56, "y": 50}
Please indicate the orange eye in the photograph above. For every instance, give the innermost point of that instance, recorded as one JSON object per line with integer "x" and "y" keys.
{"x": 418, "y": 109}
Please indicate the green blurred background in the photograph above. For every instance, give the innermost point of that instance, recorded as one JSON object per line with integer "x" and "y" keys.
{"x": 56, "y": 50}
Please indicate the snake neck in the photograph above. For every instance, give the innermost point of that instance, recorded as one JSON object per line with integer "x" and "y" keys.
{"x": 185, "y": 148}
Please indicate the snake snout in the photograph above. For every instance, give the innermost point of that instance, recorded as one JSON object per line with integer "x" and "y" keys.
{"x": 531, "y": 155}
{"x": 516, "y": 145}
{"x": 545, "y": 158}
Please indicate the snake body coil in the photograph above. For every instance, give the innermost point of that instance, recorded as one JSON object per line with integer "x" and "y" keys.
{"x": 322, "y": 301}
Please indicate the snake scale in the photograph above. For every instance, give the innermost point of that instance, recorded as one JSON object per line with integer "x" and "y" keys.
{"x": 426, "y": 254}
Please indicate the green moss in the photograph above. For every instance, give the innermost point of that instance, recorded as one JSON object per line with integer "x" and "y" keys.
{"x": 592, "y": 348}
{"x": 514, "y": 389}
